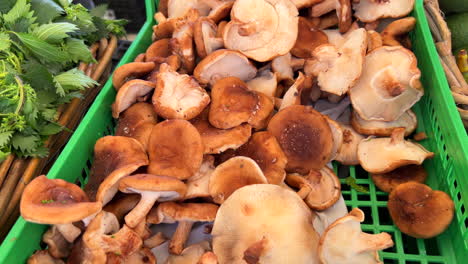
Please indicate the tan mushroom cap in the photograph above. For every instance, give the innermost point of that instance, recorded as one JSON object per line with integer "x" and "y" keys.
{"x": 381, "y": 155}
{"x": 43, "y": 257}
{"x": 263, "y": 112}
{"x": 262, "y": 29}
{"x": 220, "y": 9}
{"x": 159, "y": 49}
{"x": 347, "y": 153}
{"x": 217, "y": 140}
{"x": 384, "y": 129}
{"x": 131, "y": 70}
{"x": 389, "y": 84}
{"x": 390, "y": 180}
{"x": 267, "y": 153}
{"x": 337, "y": 133}
{"x": 371, "y": 10}
{"x": 339, "y": 68}
{"x": 305, "y": 137}
{"x": 178, "y": 96}
{"x": 55, "y": 201}
{"x": 322, "y": 8}
{"x": 204, "y": 31}
{"x": 128, "y": 95}
{"x": 198, "y": 184}
{"x": 190, "y": 255}
{"x": 175, "y": 149}
{"x": 232, "y": 175}
{"x": 265, "y": 82}
{"x": 137, "y": 122}
{"x": 176, "y": 8}
{"x": 224, "y": 63}
{"x": 114, "y": 157}
{"x": 264, "y": 223}
{"x": 308, "y": 39}
{"x": 344, "y": 242}
{"x": 419, "y": 211}
{"x": 208, "y": 258}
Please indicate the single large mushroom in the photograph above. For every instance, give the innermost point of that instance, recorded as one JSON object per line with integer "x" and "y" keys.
{"x": 224, "y": 63}
{"x": 408, "y": 120}
{"x": 129, "y": 93}
{"x": 57, "y": 202}
{"x": 232, "y": 175}
{"x": 178, "y": 96}
{"x": 305, "y": 137}
{"x": 186, "y": 214}
{"x": 175, "y": 149}
{"x": 389, "y": 85}
{"x": 347, "y": 153}
{"x": 131, "y": 70}
{"x": 264, "y": 223}
{"x": 343, "y": 242}
{"x": 152, "y": 188}
{"x": 308, "y": 39}
{"x": 390, "y": 180}
{"x": 205, "y": 37}
{"x": 419, "y": 211}
{"x": 262, "y": 29}
{"x": 372, "y": 10}
{"x": 381, "y": 155}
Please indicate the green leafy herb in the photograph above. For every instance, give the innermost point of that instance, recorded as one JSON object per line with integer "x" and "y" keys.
{"x": 54, "y": 32}
{"x": 351, "y": 181}
{"x": 46, "y": 10}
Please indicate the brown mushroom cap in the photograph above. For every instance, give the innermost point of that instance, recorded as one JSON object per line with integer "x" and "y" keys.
{"x": 347, "y": 153}
{"x": 224, "y": 63}
{"x": 131, "y": 70}
{"x": 57, "y": 245}
{"x": 371, "y": 10}
{"x": 217, "y": 140}
{"x": 178, "y": 96}
{"x": 159, "y": 49}
{"x": 344, "y": 14}
{"x": 344, "y": 242}
{"x": 384, "y": 129}
{"x": 419, "y": 211}
{"x": 267, "y": 153}
{"x": 390, "y": 180}
{"x": 232, "y": 175}
{"x": 262, "y": 29}
{"x": 205, "y": 37}
{"x": 43, "y": 257}
{"x": 381, "y": 155}
{"x": 308, "y": 39}
{"x": 305, "y": 137}
{"x": 263, "y": 112}
{"x": 181, "y": 43}
{"x": 395, "y": 33}
{"x": 128, "y": 95}
{"x": 175, "y": 149}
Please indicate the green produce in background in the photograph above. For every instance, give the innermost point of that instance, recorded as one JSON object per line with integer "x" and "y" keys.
{"x": 458, "y": 25}
{"x": 453, "y": 6}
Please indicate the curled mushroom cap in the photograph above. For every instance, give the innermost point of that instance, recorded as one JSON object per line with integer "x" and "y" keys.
{"x": 371, "y": 10}
{"x": 389, "y": 84}
{"x": 390, "y": 180}
{"x": 337, "y": 132}
{"x": 224, "y": 63}
{"x": 131, "y": 70}
{"x": 205, "y": 37}
{"x": 178, "y": 96}
{"x": 262, "y": 29}
{"x": 305, "y": 137}
{"x": 344, "y": 242}
{"x": 338, "y": 68}
{"x": 264, "y": 149}
{"x": 347, "y": 153}
{"x": 265, "y": 82}
{"x": 264, "y": 223}
{"x": 128, "y": 95}
{"x": 407, "y": 120}
{"x": 159, "y": 49}
{"x": 380, "y": 155}
{"x": 181, "y": 43}
{"x": 232, "y": 175}
{"x": 175, "y": 149}
{"x": 419, "y": 211}
{"x": 308, "y": 39}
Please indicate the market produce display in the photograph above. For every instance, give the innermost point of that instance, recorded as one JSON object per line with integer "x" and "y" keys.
{"x": 223, "y": 130}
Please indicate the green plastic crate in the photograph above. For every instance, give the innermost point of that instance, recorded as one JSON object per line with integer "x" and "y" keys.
{"x": 446, "y": 169}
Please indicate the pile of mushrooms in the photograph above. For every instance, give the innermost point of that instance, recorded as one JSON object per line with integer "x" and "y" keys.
{"x": 216, "y": 124}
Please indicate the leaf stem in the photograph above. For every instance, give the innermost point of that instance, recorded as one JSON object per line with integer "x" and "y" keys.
{"x": 21, "y": 92}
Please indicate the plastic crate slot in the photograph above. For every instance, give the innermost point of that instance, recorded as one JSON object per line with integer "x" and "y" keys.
{"x": 432, "y": 247}
{"x": 384, "y": 216}
{"x": 410, "y": 244}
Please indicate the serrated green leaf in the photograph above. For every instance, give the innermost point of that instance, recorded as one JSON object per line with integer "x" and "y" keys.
{"x": 54, "y": 32}
{"x": 50, "y": 129}
{"x": 24, "y": 143}
{"x": 5, "y": 137}
{"x": 79, "y": 15}
{"x": 20, "y": 9}
{"x": 5, "y": 41}
{"x": 3, "y": 155}
{"x": 46, "y": 10}
{"x": 78, "y": 51}
{"x": 59, "y": 88}
{"x": 38, "y": 76}
{"x": 41, "y": 49}
{"x": 65, "y": 3}
{"x": 74, "y": 79}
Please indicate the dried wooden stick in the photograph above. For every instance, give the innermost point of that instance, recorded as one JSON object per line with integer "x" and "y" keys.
{"x": 106, "y": 58}
{"x": 8, "y": 188}
{"x": 103, "y": 43}
{"x": 5, "y": 166}
{"x": 10, "y": 221}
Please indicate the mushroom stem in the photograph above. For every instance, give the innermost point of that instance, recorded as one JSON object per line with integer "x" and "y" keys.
{"x": 248, "y": 29}
{"x": 69, "y": 231}
{"x": 373, "y": 242}
{"x": 176, "y": 246}
{"x": 155, "y": 240}
{"x": 160, "y": 17}
{"x": 398, "y": 135}
{"x": 140, "y": 211}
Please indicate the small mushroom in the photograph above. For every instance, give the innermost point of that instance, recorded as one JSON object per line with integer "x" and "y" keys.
{"x": 337, "y": 132}
{"x": 175, "y": 149}
{"x": 384, "y": 129}
{"x": 381, "y": 155}
{"x": 347, "y": 153}
{"x": 120, "y": 206}
{"x": 205, "y": 37}
{"x": 374, "y": 40}
{"x": 308, "y": 39}
{"x": 186, "y": 214}
{"x": 137, "y": 122}
{"x": 262, "y": 29}
{"x": 265, "y": 82}
{"x": 151, "y": 188}
{"x": 197, "y": 185}
{"x": 419, "y": 211}
{"x": 57, "y": 245}
{"x": 232, "y": 175}
{"x": 224, "y": 63}
{"x": 372, "y": 10}
{"x": 284, "y": 67}
{"x": 217, "y": 140}
{"x": 43, "y": 257}
{"x": 344, "y": 14}
{"x": 305, "y": 137}
{"x": 178, "y": 96}
{"x": 392, "y": 35}
{"x": 339, "y": 68}
{"x": 264, "y": 223}
{"x": 390, "y": 180}
{"x": 389, "y": 85}
{"x": 181, "y": 43}
{"x": 190, "y": 255}
{"x": 129, "y": 71}
{"x": 159, "y": 49}
{"x": 128, "y": 95}
{"x": 57, "y": 202}
{"x": 344, "y": 242}
{"x": 166, "y": 27}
